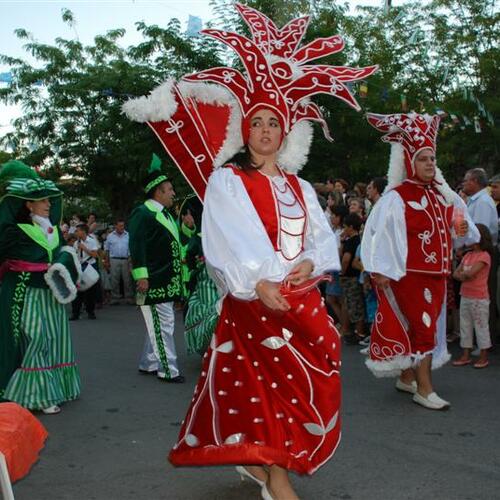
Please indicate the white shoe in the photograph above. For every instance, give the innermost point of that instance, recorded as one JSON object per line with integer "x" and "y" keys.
{"x": 244, "y": 474}
{"x": 365, "y": 342}
{"x": 365, "y": 350}
{"x": 403, "y": 387}
{"x": 432, "y": 401}
{"x": 51, "y": 410}
{"x": 265, "y": 493}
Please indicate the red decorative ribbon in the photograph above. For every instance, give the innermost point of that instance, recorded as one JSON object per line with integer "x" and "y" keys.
{"x": 20, "y": 266}
{"x": 292, "y": 290}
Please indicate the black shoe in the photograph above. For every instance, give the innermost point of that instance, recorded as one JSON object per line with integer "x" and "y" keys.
{"x": 145, "y": 372}
{"x": 74, "y": 318}
{"x": 91, "y": 316}
{"x": 174, "y": 380}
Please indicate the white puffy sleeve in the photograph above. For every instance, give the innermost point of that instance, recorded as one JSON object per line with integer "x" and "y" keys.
{"x": 235, "y": 243}
{"x": 472, "y": 235}
{"x": 320, "y": 244}
{"x": 384, "y": 246}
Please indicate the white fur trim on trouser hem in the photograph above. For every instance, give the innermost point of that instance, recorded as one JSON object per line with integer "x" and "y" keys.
{"x": 439, "y": 361}
{"x": 390, "y": 367}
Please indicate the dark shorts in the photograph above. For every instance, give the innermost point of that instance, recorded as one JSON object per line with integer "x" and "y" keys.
{"x": 334, "y": 288}
{"x": 354, "y": 299}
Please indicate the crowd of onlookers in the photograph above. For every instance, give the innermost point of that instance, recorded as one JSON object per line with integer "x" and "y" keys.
{"x": 350, "y": 295}
{"x": 104, "y": 247}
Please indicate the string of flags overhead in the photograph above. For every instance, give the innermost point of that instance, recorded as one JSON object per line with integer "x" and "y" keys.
{"x": 456, "y": 119}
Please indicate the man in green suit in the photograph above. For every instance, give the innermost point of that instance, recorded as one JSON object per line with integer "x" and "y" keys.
{"x": 156, "y": 255}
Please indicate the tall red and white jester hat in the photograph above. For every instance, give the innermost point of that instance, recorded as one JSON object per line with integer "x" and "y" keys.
{"x": 409, "y": 134}
{"x": 200, "y": 119}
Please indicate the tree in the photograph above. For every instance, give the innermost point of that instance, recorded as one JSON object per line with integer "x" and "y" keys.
{"x": 72, "y": 122}
{"x": 440, "y": 55}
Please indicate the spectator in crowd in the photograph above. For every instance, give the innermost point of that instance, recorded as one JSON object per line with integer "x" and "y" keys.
{"x": 73, "y": 222}
{"x": 117, "y": 259}
{"x": 480, "y": 204}
{"x": 474, "y": 305}
{"x": 330, "y": 186}
{"x": 64, "y": 229}
{"x": 86, "y": 248}
{"x": 71, "y": 240}
{"x": 341, "y": 186}
{"x": 482, "y": 210}
{"x": 369, "y": 296}
{"x": 333, "y": 289}
{"x": 334, "y": 200}
{"x": 356, "y": 206}
{"x": 349, "y": 281}
{"x": 104, "y": 269}
{"x": 92, "y": 223}
{"x": 495, "y": 194}
{"x": 375, "y": 189}
{"x": 360, "y": 190}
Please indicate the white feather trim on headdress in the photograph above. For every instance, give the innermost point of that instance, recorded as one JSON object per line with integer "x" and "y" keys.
{"x": 159, "y": 105}
{"x": 443, "y": 187}
{"x": 397, "y": 170}
{"x": 295, "y": 148}
{"x": 234, "y": 140}
{"x": 207, "y": 93}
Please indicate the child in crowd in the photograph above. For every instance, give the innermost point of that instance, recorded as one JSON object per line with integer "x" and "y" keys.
{"x": 349, "y": 281}
{"x": 369, "y": 296}
{"x": 474, "y": 304}
{"x": 333, "y": 289}
{"x": 104, "y": 268}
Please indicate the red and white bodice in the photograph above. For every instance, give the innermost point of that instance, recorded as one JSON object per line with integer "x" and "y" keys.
{"x": 291, "y": 219}
{"x": 428, "y": 220}
{"x": 286, "y": 220}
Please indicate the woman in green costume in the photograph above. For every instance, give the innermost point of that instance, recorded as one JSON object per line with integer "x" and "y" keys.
{"x": 200, "y": 314}
{"x": 37, "y": 365}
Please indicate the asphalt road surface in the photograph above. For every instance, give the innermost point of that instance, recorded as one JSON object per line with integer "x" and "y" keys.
{"x": 113, "y": 442}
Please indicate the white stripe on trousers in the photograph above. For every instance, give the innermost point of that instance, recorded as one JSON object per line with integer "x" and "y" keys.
{"x": 150, "y": 358}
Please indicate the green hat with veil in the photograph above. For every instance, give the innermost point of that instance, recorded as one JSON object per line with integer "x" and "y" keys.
{"x": 20, "y": 183}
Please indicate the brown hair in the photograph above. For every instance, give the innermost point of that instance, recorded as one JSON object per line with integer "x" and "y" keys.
{"x": 360, "y": 188}
{"x": 243, "y": 159}
{"x": 485, "y": 243}
{"x": 344, "y": 183}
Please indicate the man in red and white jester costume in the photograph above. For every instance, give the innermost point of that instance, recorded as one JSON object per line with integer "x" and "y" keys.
{"x": 407, "y": 247}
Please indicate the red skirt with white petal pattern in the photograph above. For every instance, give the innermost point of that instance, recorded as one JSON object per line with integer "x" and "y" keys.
{"x": 269, "y": 391}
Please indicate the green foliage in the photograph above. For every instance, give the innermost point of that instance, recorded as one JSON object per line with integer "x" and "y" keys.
{"x": 72, "y": 121}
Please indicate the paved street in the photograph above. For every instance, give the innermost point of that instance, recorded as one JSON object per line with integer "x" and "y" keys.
{"x": 112, "y": 443}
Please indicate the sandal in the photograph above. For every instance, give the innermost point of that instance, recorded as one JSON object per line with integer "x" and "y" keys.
{"x": 461, "y": 362}
{"x": 481, "y": 364}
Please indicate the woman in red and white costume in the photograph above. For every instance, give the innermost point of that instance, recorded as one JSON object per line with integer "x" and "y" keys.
{"x": 269, "y": 393}
{"x": 407, "y": 247}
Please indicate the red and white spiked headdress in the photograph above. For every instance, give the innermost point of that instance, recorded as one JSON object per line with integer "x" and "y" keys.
{"x": 408, "y": 135}
{"x": 200, "y": 120}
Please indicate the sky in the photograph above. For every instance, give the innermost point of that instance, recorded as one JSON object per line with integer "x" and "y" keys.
{"x": 43, "y": 19}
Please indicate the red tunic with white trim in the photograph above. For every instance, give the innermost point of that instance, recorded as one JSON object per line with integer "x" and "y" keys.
{"x": 428, "y": 224}
{"x": 269, "y": 390}
{"x": 405, "y": 326}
